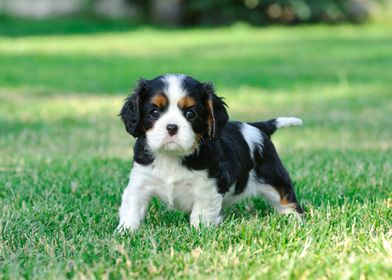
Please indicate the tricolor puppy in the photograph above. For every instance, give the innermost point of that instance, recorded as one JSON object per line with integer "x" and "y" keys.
{"x": 193, "y": 159}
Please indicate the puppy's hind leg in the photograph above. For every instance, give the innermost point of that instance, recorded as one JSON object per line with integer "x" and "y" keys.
{"x": 276, "y": 184}
{"x": 283, "y": 200}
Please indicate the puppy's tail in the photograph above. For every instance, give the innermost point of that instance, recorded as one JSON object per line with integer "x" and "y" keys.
{"x": 270, "y": 126}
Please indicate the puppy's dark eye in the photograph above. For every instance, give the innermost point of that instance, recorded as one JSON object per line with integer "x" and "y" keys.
{"x": 190, "y": 114}
{"x": 155, "y": 113}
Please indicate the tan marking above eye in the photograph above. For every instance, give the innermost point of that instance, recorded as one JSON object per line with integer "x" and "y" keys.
{"x": 159, "y": 100}
{"x": 186, "y": 102}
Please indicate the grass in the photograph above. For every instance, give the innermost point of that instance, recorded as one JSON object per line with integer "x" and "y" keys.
{"x": 65, "y": 156}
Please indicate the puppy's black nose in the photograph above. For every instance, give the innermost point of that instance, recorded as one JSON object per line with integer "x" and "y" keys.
{"x": 172, "y": 129}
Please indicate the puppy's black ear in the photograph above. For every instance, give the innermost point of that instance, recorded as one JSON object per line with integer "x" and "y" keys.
{"x": 217, "y": 114}
{"x": 131, "y": 111}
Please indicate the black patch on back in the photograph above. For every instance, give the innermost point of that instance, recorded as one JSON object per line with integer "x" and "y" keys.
{"x": 226, "y": 159}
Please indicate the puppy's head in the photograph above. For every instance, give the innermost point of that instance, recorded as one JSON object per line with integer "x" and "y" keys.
{"x": 175, "y": 112}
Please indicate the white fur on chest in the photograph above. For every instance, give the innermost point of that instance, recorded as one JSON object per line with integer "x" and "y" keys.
{"x": 173, "y": 183}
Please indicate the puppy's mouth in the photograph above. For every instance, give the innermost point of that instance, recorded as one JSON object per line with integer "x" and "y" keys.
{"x": 173, "y": 146}
{"x": 170, "y": 143}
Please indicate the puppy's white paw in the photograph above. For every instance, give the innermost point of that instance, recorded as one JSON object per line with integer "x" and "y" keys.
{"x": 198, "y": 222}
{"x": 124, "y": 227}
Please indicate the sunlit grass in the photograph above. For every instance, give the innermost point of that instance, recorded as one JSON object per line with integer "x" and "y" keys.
{"x": 110, "y": 62}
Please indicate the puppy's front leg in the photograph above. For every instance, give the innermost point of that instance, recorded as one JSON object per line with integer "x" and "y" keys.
{"x": 206, "y": 211}
{"x": 135, "y": 201}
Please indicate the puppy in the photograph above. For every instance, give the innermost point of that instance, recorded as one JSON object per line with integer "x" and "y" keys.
{"x": 189, "y": 155}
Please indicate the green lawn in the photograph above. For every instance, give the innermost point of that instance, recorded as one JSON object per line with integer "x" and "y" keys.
{"x": 65, "y": 156}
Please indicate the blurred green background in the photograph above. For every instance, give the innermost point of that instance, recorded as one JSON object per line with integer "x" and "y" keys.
{"x": 201, "y": 12}
{"x": 66, "y": 67}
